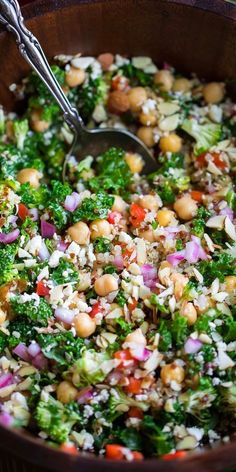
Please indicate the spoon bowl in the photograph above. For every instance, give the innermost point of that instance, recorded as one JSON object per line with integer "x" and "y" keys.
{"x": 86, "y": 142}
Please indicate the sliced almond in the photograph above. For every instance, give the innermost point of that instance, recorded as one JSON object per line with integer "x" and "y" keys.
{"x": 230, "y": 228}
{"x": 170, "y": 123}
{"x": 82, "y": 62}
{"x": 187, "y": 443}
{"x": 216, "y": 222}
{"x": 167, "y": 108}
{"x": 141, "y": 62}
{"x": 26, "y": 370}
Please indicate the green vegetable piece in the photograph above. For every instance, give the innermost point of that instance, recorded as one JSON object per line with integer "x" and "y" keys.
{"x": 38, "y": 312}
{"x": 65, "y": 273}
{"x": 206, "y": 135}
{"x": 93, "y": 208}
{"x": 91, "y": 367}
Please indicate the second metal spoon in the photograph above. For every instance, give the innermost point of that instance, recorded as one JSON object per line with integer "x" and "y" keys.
{"x": 86, "y": 142}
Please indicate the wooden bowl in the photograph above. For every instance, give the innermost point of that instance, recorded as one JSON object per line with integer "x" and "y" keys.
{"x": 197, "y": 36}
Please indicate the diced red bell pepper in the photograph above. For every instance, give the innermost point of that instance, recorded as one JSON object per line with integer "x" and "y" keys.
{"x": 41, "y": 289}
{"x": 22, "y": 211}
{"x": 137, "y": 214}
{"x": 97, "y": 308}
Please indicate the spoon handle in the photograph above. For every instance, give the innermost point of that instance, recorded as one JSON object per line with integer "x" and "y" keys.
{"x": 29, "y": 47}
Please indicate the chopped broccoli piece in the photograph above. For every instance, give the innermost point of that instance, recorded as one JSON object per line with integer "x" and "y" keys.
{"x": 65, "y": 273}
{"x": 94, "y": 207}
{"x": 119, "y": 403}
{"x": 199, "y": 222}
{"x": 228, "y": 399}
{"x": 121, "y": 298}
{"x": 39, "y": 313}
{"x": 7, "y": 258}
{"x": 56, "y": 419}
{"x": 89, "y": 95}
{"x": 200, "y": 399}
{"x": 90, "y": 367}
{"x": 21, "y": 128}
{"x": 157, "y": 442}
{"x": 114, "y": 174}
{"x": 63, "y": 348}
{"x": 20, "y": 330}
{"x": 221, "y": 265}
{"x": 102, "y": 245}
{"x": 206, "y": 135}
{"x": 136, "y": 76}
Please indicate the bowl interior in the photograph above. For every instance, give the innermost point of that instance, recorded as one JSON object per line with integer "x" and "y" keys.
{"x": 186, "y": 34}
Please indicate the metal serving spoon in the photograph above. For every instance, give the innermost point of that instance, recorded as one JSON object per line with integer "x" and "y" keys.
{"x": 86, "y": 142}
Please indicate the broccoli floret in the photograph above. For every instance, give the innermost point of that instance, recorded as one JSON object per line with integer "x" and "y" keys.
{"x": 102, "y": 245}
{"x": 94, "y": 207}
{"x": 194, "y": 401}
{"x": 157, "y": 442}
{"x": 91, "y": 367}
{"x": 32, "y": 197}
{"x": 89, "y": 95}
{"x": 21, "y": 128}
{"x": 20, "y": 329}
{"x": 221, "y": 265}
{"x": 199, "y": 222}
{"x": 65, "y": 273}
{"x": 228, "y": 399}
{"x": 206, "y": 135}
{"x": 114, "y": 174}
{"x": 55, "y": 419}
{"x": 36, "y": 312}
{"x": 120, "y": 403}
{"x": 7, "y": 258}
{"x": 3, "y": 342}
{"x": 63, "y": 348}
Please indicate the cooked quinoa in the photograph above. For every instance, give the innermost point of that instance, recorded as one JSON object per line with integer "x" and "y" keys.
{"x": 117, "y": 290}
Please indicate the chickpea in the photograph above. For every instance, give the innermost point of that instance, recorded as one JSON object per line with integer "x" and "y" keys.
{"x": 170, "y": 143}
{"x": 106, "y": 60}
{"x": 105, "y": 284}
{"x": 118, "y": 102}
{"x": 84, "y": 325}
{"x": 136, "y": 337}
{"x": 100, "y": 228}
{"x": 149, "y": 202}
{"x": 182, "y": 85}
{"x": 30, "y": 176}
{"x": 230, "y": 283}
{"x": 3, "y": 316}
{"x": 172, "y": 372}
{"x": 148, "y": 119}
{"x": 148, "y": 235}
{"x": 66, "y": 392}
{"x": 164, "y": 79}
{"x": 79, "y": 233}
{"x": 213, "y": 92}
{"x": 146, "y": 135}
{"x": 119, "y": 204}
{"x": 189, "y": 311}
{"x": 164, "y": 217}
{"x": 135, "y": 162}
{"x": 37, "y": 123}
{"x": 180, "y": 281}
{"x": 185, "y": 207}
{"x": 75, "y": 77}
{"x": 137, "y": 96}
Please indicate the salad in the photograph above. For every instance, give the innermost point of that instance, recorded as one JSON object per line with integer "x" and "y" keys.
{"x": 117, "y": 290}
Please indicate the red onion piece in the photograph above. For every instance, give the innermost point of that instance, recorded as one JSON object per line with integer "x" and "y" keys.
{"x": 149, "y": 272}
{"x": 6, "y": 419}
{"x": 34, "y": 214}
{"x": 227, "y": 211}
{"x": 62, "y": 246}
{"x": 140, "y": 353}
{"x": 22, "y": 352}
{"x": 40, "y": 362}
{"x": 9, "y": 237}
{"x": 64, "y": 315}
{"x": 175, "y": 258}
{"x": 192, "y": 252}
{"x": 12, "y": 219}
{"x": 5, "y": 380}
{"x": 192, "y": 346}
{"x": 202, "y": 254}
{"x": 47, "y": 229}
{"x": 119, "y": 262}
{"x": 34, "y": 349}
{"x": 44, "y": 252}
{"x": 72, "y": 202}
{"x": 85, "y": 395}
